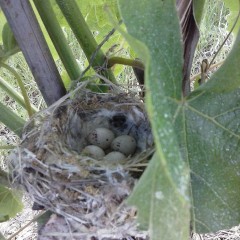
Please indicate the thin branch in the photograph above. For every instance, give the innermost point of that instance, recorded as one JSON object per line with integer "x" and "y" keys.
{"x": 124, "y": 61}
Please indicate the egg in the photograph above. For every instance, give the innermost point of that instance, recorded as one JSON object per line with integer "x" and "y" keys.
{"x": 93, "y": 151}
{"x": 114, "y": 156}
{"x": 101, "y": 137}
{"x": 124, "y": 144}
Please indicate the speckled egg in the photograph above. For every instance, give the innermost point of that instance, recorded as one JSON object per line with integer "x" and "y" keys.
{"x": 114, "y": 156}
{"x": 101, "y": 137}
{"x": 93, "y": 151}
{"x": 124, "y": 144}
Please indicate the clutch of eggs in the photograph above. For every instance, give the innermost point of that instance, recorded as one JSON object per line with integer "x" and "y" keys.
{"x": 103, "y": 139}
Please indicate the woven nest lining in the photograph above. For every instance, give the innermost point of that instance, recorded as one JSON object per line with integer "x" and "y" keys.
{"x": 88, "y": 192}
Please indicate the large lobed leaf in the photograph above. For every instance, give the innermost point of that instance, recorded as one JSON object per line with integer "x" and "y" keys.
{"x": 204, "y": 127}
{"x": 162, "y": 194}
{"x": 213, "y": 142}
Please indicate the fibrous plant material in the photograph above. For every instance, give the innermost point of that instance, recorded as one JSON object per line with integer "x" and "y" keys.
{"x": 86, "y": 192}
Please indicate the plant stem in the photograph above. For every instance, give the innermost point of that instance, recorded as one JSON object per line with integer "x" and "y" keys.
{"x": 124, "y": 61}
{"x": 84, "y": 36}
{"x": 209, "y": 69}
{"x": 4, "y": 85}
{"x": 56, "y": 34}
{"x": 11, "y": 119}
{"x": 21, "y": 85}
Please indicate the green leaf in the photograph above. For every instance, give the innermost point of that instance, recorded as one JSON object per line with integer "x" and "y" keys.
{"x": 66, "y": 80}
{"x": 10, "y": 203}
{"x": 155, "y": 24}
{"x": 213, "y": 137}
{"x": 2, "y": 22}
{"x": 10, "y": 45}
{"x": 206, "y": 128}
{"x": 97, "y": 18}
{"x": 198, "y": 8}
{"x": 27, "y": 103}
{"x": 43, "y": 219}
{"x": 9, "y": 41}
{"x": 4, "y": 85}
{"x": 84, "y": 36}
{"x": 160, "y": 205}
{"x": 226, "y": 78}
{"x": 11, "y": 120}
{"x": 89, "y": 9}
{"x": 233, "y": 6}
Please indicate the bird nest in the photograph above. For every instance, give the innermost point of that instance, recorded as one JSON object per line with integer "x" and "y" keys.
{"x": 81, "y": 158}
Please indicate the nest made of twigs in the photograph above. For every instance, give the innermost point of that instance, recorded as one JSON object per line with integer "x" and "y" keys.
{"x": 88, "y": 192}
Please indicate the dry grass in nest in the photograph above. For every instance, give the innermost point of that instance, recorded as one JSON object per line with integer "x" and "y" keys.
{"x": 87, "y": 192}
